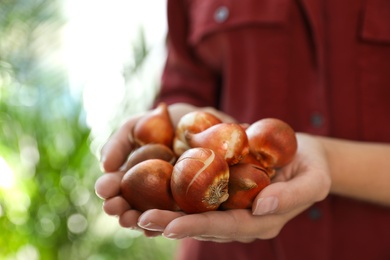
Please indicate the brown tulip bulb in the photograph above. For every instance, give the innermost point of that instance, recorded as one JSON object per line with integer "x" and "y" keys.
{"x": 245, "y": 182}
{"x": 154, "y": 127}
{"x": 200, "y": 180}
{"x": 151, "y": 151}
{"x": 272, "y": 141}
{"x": 147, "y": 186}
{"x": 192, "y": 122}
{"x": 227, "y": 139}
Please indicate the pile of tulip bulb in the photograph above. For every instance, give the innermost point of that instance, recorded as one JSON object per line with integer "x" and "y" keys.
{"x": 203, "y": 164}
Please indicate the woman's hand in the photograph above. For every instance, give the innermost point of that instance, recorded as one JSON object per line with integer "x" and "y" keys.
{"x": 113, "y": 160}
{"x": 294, "y": 188}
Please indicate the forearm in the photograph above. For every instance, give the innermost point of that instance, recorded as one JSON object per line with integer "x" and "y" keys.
{"x": 359, "y": 170}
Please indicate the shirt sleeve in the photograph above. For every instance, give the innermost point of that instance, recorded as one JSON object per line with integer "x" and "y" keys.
{"x": 185, "y": 78}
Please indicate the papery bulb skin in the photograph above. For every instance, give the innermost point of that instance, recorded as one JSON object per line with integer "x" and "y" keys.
{"x": 250, "y": 158}
{"x": 227, "y": 139}
{"x": 151, "y": 151}
{"x": 147, "y": 185}
{"x": 200, "y": 180}
{"x": 154, "y": 127}
{"x": 192, "y": 122}
{"x": 272, "y": 141}
{"x": 245, "y": 182}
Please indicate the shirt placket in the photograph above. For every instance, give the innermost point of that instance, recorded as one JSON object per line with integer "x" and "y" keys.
{"x": 318, "y": 119}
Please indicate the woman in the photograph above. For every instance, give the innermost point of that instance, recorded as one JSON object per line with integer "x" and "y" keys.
{"x": 321, "y": 66}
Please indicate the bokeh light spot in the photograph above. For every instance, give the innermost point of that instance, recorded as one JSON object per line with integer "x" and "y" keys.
{"x": 7, "y": 178}
{"x": 77, "y": 223}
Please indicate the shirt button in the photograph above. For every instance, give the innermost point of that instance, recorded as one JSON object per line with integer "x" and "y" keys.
{"x": 315, "y": 213}
{"x": 221, "y": 14}
{"x": 316, "y": 120}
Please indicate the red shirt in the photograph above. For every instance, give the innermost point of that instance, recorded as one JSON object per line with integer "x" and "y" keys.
{"x": 323, "y": 67}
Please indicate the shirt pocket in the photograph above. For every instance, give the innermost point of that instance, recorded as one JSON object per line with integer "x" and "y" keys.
{"x": 212, "y": 16}
{"x": 376, "y": 21}
{"x": 374, "y": 70}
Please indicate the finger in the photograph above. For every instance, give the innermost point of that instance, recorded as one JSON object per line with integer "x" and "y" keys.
{"x": 108, "y": 185}
{"x": 223, "y": 240}
{"x": 129, "y": 219}
{"x": 212, "y": 224}
{"x": 309, "y": 186}
{"x": 115, "y": 206}
{"x": 230, "y": 225}
{"x": 157, "y": 220}
{"x": 115, "y": 152}
{"x": 250, "y": 229}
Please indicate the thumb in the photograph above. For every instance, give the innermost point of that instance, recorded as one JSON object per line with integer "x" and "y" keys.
{"x": 268, "y": 200}
{"x": 285, "y": 196}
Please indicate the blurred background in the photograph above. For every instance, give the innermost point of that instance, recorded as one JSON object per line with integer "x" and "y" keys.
{"x": 71, "y": 71}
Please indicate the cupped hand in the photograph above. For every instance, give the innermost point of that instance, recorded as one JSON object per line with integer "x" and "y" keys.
{"x": 113, "y": 162}
{"x": 113, "y": 157}
{"x": 294, "y": 188}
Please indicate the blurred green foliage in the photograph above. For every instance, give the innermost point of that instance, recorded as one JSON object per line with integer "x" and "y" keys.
{"x": 48, "y": 208}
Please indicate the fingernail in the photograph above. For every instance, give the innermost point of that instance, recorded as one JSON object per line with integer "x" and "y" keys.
{"x": 266, "y": 205}
{"x": 150, "y": 226}
{"x": 174, "y": 236}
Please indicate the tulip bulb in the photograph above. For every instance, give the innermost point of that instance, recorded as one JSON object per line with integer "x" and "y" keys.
{"x": 227, "y": 139}
{"x": 199, "y": 180}
{"x": 154, "y": 127}
{"x": 192, "y": 122}
{"x": 272, "y": 142}
{"x": 147, "y": 186}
